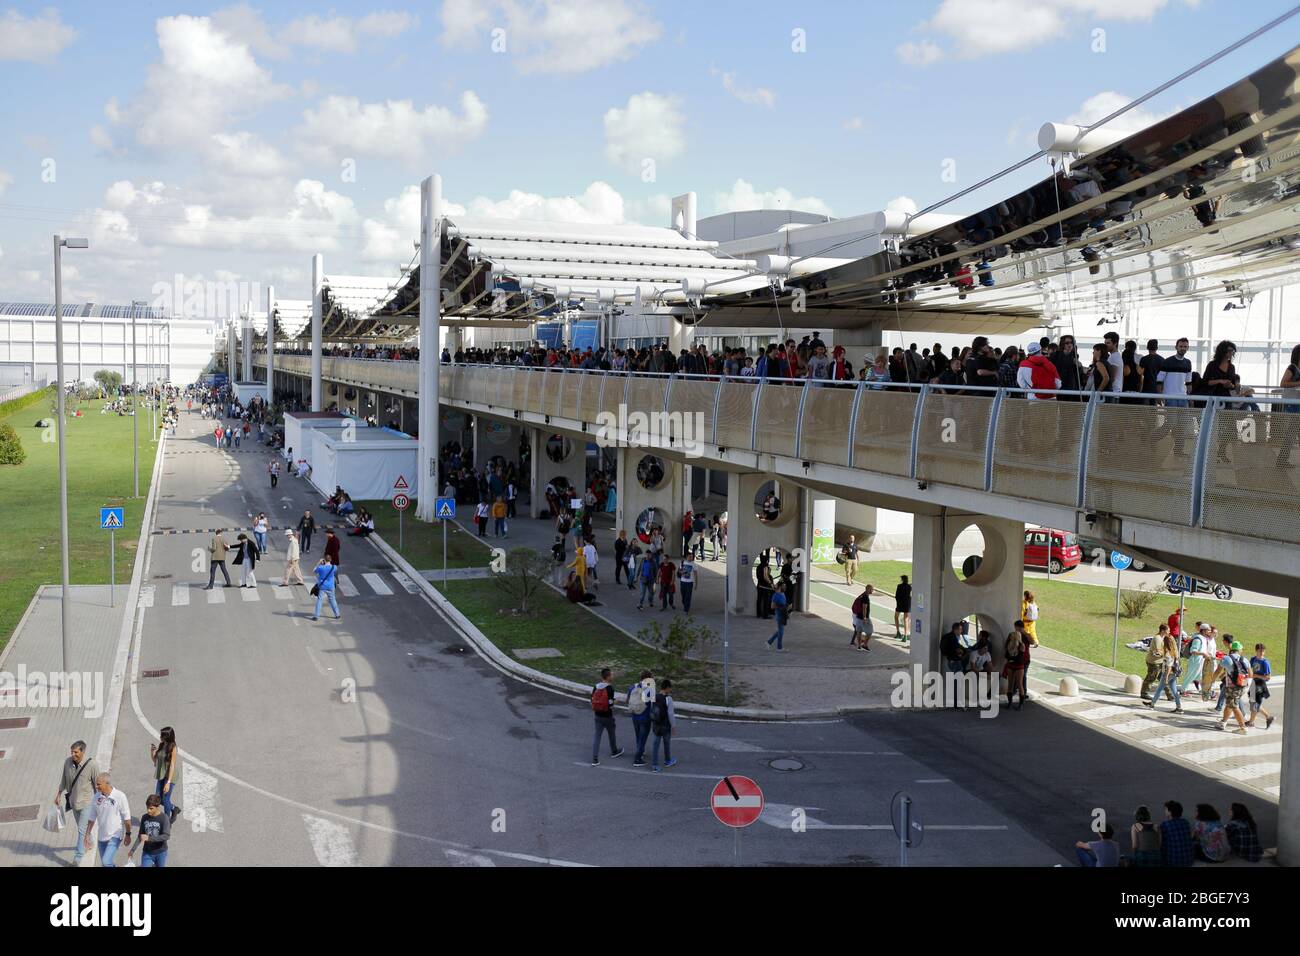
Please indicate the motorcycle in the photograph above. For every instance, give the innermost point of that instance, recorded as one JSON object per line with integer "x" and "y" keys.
{"x": 1178, "y": 584}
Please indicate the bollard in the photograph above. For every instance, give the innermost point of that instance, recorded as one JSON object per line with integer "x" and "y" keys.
{"x": 1133, "y": 685}
{"x": 1069, "y": 687}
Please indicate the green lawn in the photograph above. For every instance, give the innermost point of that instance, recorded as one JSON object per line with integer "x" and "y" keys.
{"x": 99, "y": 474}
{"x": 422, "y": 540}
{"x": 1079, "y": 619}
{"x": 587, "y": 642}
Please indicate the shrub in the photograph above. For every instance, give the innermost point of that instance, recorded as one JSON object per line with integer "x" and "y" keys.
{"x": 524, "y": 574}
{"x": 1135, "y": 604}
{"x": 11, "y": 448}
{"x": 683, "y": 636}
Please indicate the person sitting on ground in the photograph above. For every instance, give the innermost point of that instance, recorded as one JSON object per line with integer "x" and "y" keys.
{"x": 1145, "y": 839}
{"x": 1099, "y": 853}
{"x": 345, "y": 506}
{"x": 1243, "y": 835}
{"x": 980, "y": 657}
{"x": 575, "y": 592}
{"x": 1209, "y": 837}
{"x": 1175, "y": 836}
{"x": 365, "y": 524}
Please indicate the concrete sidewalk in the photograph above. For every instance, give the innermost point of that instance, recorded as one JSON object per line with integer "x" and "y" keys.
{"x": 34, "y": 738}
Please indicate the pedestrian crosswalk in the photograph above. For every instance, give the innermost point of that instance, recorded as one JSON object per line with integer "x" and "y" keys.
{"x": 369, "y": 584}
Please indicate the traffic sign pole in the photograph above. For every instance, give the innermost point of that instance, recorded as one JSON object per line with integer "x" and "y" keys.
{"x": 1114, "y": 644}
{"x": 112, "y": 568}
{"x": 444, "y": 558}
{"x": 399, "y": 529}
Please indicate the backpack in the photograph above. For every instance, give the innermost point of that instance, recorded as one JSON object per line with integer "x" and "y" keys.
{"x": 659, "y": 714}
{"x": 1241, "y": 673}
{"x": 600, "y": 700}
{"x": 1186, "y": 652}
{"x": 636, "y": 700}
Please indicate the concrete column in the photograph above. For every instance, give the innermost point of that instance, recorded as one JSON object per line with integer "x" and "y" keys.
{"x": 571, "y": 467}
{"x": 1288, "y": 805}
{"x": 536, "y": 484}
{"x": 806, "y": 543}
{"x": 939, "y": 597}
{"x": 247, "y": 333}
{"x": 270, "y": 344}
{"x": 317, "y": 321}
{"x": 666, "y": 497}
{"x": 748, "y": 537}
{"x": 231, "y": 365}
{"x": 430, "y": 351}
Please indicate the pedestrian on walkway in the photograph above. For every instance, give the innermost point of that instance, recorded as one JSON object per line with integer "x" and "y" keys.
{"x": 765, "y": 587}
{"x": 1235, "y": 675}
{"x": 292, "y": 557}
{"x": 1170, "y": 665}
{"x": 326, "y": 574}
{"x": 667, "y": 584}
{"x": 332, "y": 546}
{"x": 260, "y": 527}
{"x": 155, "y": 831}
{"x": 1014, "y": 669}
{"x": 602, "y": 707}
{"x": 1195, "y": 654}
{"x": 499, "y": 527}
{"x": 481, "y": 514}
{"x": 640, "y": 702}
{"x": 306, "y": 525}
{"x": 663, "y": 723}
{"x": 163, "y": 754}
{"x": 862, "y": 626}
{"x": 592, "y": 561}
{"x": 1155, "y": 663}
{"x": 113, "y": 814}
{"x": 903, "y": 608}
{"x": 850, "y": 555}
{"x": 246, "y": 560}
{"x": 217, "y": 549}
{"x": 274, "y": 470}
{"x": 620, "y": 558}
{"x": 1029, "y": 614}
{"x": 1261, "y": 670}
{"x": 779, "y": 607}
{"x": 686, "y": 582}
{"x": 646, "y": 574}
{"x": 77, "y": 792}
{"x": 239, "y": 434}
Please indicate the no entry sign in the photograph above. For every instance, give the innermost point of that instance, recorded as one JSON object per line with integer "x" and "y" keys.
{"x": 736, "y": 801}
{"x": 401, "y": 501}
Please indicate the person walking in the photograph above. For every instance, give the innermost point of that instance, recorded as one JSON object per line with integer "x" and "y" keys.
{"x": 274, "y": 470}
{"x": 481, "y": 514}
{"x": 77, "y": 792}
{"x": 902, "y": 608}
{"x": 113, "y": 815}
{"x": 591, "y": 559}
{"x": 620, "y": 558}
{"x": 326, "y": 573}
{"x": 1261, "y": 670}
{"x": 1029, "y": 614}
{"x": 292, "y": 556}
{"x": 217, "y": 549}
{"x": 306, "y": 525}
{"x": 499, "y": 510}
{"x": 640, "y": 703}
{"x": 850, "y": 554}
{"x": 246, "y": 560}
{"x": 646, "y": 574}
{"x": 862, "y": 626}
{"x": 260, "y": 528}
{"x": 663, "y": 723}
{"x": 332, "y": 546}
{"x": 1170, "y": 665}
{"x": 765, "y": 587}
{"x": 686, "y": 582}
{"x": 779, "y": 607}
{"x": 1235, "y": 673}
{"x": 1014, "y": 669}
{"x": 163, "y": 754}
{"x": 1196, "y": 657}
{"x": 667, "y": 584}
{"x": 155, "y": 831}
{"x": 1155, "y": 663}
{"x": 602, "y": 708}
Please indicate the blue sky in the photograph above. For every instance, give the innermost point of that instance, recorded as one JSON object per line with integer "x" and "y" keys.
{"x": 230, "y": 141}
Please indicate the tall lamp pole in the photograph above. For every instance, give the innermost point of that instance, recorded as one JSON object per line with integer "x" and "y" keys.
{"x": 135, "y": 407}
{"x": 59, "y": 243}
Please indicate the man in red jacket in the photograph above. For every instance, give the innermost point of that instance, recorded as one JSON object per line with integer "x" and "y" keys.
{"x": 1037, "y": 372}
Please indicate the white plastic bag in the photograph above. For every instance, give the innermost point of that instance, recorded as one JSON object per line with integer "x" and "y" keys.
{"x": 53, "y": 821}
{"x": 130, "y": 860}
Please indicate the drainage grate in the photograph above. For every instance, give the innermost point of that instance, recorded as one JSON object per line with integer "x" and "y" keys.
{"x": 162, "y": 673}
{"x": 15, "y": 723}
{"x": 786, "y": 764}
{"x": 20, "y": 814}
{"x": 161, "y": 577}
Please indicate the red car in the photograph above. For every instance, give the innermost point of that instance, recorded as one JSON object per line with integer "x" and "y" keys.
{"x": 1064, "y": 550}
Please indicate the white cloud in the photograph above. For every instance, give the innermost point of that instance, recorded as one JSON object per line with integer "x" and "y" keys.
{"x": 1108, "y": 101}
{"x": 854, "y": 123}
{"x": 743, "y": 196}
{"x": 36, "y": 39}
{"x": 989, "y": 27}
{"x": 553, "y": 36}
{"x": 903, "y": 204}
{"x": 245, "y": 154}
{"x": 754, "y": 95}
{"x": 396, "y": 129}
{"x": 6, "y": 180}
{"x": 329, "y": 34}
{"x": 654, "y": 210}
{"x": 599, "y": 204}
{"x": 649, "y": 127}
{"x": 919, "y": 54}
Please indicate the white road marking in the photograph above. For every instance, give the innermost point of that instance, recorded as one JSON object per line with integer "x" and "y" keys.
{"x": 460, "y": 858}
{"x": 1182, "y": 737}
{"x": 1253, "y": 770}
{"x": 199, "y": 798}
{"x": 282, "y": 593}
{"x": 378, "y": 583}
{"x": 747, "y": 800}
{"x": 146, "y": 595}
{"x": 1227, "y": 751}
{"x": 780, "y": 815}
{"x": 405, "y": 581}
{"x": 605, "y": 765}
{"x": 330, "y": 841}
{"x": 726, "y": 744}
{"x": 346, "y": 586}
{"x": 217, "y": 595}
{"x": 249, "y": 594}
{"x": 180, "y": 595}
{"x": 1137, "y": 725}
{"x": 1098, "y": 711}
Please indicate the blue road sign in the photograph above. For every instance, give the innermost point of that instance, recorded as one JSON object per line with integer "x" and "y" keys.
{"x": 444, "y": 508}
{"x": 1120, "y": 562}
{"x": 110, "y": 519}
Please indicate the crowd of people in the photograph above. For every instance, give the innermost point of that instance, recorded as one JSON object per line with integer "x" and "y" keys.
{"x": 1176, "y": 841}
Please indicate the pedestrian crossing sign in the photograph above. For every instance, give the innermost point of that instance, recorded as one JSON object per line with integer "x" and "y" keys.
{"x": 110, "y": 519}
{"x": 444, "y": 508}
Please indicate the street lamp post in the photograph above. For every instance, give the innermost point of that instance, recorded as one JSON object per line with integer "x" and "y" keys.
{"x": 135, "y": 408}
{"x": 59, "y": 243}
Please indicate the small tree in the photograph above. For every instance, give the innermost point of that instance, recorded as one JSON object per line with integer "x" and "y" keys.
{"x": 524, "y": 574}
{"x": 1135, "y": 604}
{"x": 11, "y": 448}
{"x": 109, "y": 380}
{"x": 683, "y": 636}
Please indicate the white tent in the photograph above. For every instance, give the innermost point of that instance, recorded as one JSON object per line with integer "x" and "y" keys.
{"x": 367, "y": 463}
{"x": 297, "y": 432}
{"x": 244, "y": 391}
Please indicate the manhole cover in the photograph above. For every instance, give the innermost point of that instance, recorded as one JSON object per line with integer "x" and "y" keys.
{"x": 786, "y": 764}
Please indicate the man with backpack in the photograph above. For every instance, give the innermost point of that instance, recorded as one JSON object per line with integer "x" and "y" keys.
{"x": 602, "y": 707}
{"x": 1236, "y": 674}
{"x": 862, "y": 626}
{"x": 663, "y": 720}
{"x": 640, "y": 702}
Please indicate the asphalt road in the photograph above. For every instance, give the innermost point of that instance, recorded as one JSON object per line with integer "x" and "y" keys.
{"x": 384, "y": 739}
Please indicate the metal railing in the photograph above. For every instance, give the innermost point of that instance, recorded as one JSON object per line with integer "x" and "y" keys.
{"x": 9, "y": 392}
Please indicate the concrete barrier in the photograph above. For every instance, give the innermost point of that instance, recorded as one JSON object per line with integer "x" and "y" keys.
{"x": 1133, "y": 685}
{"x": 1069, "y": 687}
